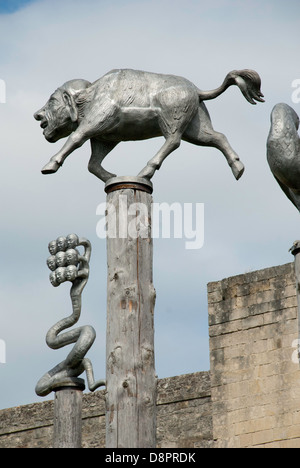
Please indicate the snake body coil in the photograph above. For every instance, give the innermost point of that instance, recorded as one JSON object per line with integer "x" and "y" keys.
{"x": 75, "y": 268}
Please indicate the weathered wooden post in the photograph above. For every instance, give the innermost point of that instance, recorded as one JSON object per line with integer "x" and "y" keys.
{"x": 130, "y": 368}
{"x": 67, "y": 430}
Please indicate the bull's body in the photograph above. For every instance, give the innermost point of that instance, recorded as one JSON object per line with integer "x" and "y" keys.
{"x": 140, "y": 105}
{"x": 126, "y": 105}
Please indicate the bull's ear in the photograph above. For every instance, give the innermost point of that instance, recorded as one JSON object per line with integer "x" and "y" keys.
{"x": 70, "y": 103}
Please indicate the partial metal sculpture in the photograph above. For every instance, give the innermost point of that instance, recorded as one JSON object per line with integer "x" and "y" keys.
{"x": 67, "y": 264}
{"x": 128, "y": 105}
{"x": 283, "y": 151}
{"x": 283, "y": 155}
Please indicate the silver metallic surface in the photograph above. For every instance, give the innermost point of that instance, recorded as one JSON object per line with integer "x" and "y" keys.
{"x": 67, "y": 264}
{"x": 128, "y": 105}
{"x": 283, "y": 151}
{"x": 116, "y": 183}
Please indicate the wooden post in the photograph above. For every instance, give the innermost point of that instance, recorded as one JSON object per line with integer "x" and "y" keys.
{"x": 68, "y": 416}
{"x": 130, "y": 369}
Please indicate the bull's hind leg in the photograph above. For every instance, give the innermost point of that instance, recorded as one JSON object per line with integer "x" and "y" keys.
{"x": 100, "y": 149}
{"x": 172, "y": 142}
{"x": 200, "y": 132}
{"x": 177, "y": 106}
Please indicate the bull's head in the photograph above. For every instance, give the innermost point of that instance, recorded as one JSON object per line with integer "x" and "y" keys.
{"x": 59, "y": 116}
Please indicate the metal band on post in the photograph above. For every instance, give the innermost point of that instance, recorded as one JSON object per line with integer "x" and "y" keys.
{"x": 124, "y": 182}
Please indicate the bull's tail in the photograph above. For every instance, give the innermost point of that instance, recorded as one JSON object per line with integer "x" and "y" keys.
{"x": 248, "y": 81}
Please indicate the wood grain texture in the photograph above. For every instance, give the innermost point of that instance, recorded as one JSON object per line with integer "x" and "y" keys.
{"x": 68, "y": 418}
{"x": 130, "y": 368}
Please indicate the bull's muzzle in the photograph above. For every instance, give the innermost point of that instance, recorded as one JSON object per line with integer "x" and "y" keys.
{"x": 39, "y": 114}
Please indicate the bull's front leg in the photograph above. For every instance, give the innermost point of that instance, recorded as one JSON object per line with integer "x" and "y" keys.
{"x": 100, "y": 149}
{"x": 75, "y": 140}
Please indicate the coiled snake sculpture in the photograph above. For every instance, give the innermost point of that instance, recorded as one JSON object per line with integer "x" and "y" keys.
{"x": 283, "y": 151}
{"x": 67, "y": 264}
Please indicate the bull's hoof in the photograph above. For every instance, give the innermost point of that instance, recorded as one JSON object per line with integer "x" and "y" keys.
{"x": 237, "y": 169}
{"x": 51, "y": 167}
{"x": 147, "y": 172}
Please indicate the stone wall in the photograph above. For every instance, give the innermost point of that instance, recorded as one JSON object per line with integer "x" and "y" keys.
{"x": 250, "y": 397}
{"x": 183, "y": 419}
{"x": 255, "y": 384}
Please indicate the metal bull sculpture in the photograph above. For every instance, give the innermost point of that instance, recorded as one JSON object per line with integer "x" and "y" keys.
{"x": 66, "y": 264}
{"x": 131, "y": 105}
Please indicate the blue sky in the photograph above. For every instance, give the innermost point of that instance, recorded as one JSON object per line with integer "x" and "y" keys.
{"x": 10, "y": 6}
{"x": 249, "y": 224}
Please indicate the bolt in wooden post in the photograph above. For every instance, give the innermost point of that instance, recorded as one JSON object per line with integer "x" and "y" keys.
{"x": 68, "y": 416}
{"x": 130, "y": 369}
